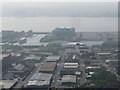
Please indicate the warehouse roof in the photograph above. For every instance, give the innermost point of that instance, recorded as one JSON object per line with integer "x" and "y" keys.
{"x": 111, "y": 60}
{"x": 69, "y": 78}
{"x": 33, "y": 57}
{"x": 41, "y": 76}
{"x": 38, "y": 83}
{"x": 107, "y": 53}
{"x": 71, "y": 64}
{"x": 51, "y": 60}
{"x": 40, "y": 79}
{"x": 48, "y": 66}
{"x": 53, "y": 57}
{"x": 7, "y": 83}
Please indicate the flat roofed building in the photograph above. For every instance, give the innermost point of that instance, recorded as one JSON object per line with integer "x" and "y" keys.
{"x": 71, "y": 64}
{"x": 68, "y": 79}
{"x": 40, "y": 80}
{"x": 107, "y": 53}
{"x": 41, "y": 76}
{"x": 71, "y": 50}
{"x": 38, "y": 84}
{"x": 48, "y": 67}
{"x": 52, "y": 58}
{"x": 110, "y": 61}
{"x": 104, "y": 55}
{"x": 76, "y": 43}
{"x": 72, "y": 67}
{"x": 95, "y": 62}
{"x": 32, "y": 57}
{"x": 7, "y": 84}
{"x": 69, "y": 71}
{"x": 92, "y": 67}
{"x": 72, "y": 61}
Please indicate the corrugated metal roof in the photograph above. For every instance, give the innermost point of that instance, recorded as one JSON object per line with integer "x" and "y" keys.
{"x": 38, "y": 83}
{"x": 32, "y": 58}
{"x": 69, "y": 78}
{"x": 40, "y": 79}
{"x": 41, "y": 76}
{"x": 70, "y": 66}
{"x": 48, "y": 66}
{"x": 7, "y": 83}
{"x": 107, "y": 53}
{"x": 52, "y": 57}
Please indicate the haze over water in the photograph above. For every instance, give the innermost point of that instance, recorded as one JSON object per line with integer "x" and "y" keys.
{"x": 47, "y": 24}
{"x": 45, "y": 17}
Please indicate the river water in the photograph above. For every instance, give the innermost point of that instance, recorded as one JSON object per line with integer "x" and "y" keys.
{"x": 35, "y": 40}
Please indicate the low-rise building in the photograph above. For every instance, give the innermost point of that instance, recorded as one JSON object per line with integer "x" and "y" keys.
{"x": 7, "y": 84}
{"x": 95, "y": 63}
{"x": 48, "y": 67}
{"x": 69, "y": 71}
{"x": 40, "y": 80}
{"x": 52, "y": 58}
{"x": 32, "y": 59}
{"x": 71, "y": 65}
{"x": 92, "y": 67}
{"x": 104, "y": 55}
{"x": 68, "y": 79}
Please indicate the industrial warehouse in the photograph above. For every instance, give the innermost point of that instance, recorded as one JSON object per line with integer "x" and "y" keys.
{"x": 40, "y": 80}
{"x": 48, "y": 67}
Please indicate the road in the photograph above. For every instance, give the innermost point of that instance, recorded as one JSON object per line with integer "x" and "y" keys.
{"x": 82, "y": 67}
{"x": 56, "y": 75}
{"x": 23, "y": 83}
{"x": 83, "y": 77}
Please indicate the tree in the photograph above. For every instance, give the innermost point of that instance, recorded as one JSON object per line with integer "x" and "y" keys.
{"x": 103, "y": 78}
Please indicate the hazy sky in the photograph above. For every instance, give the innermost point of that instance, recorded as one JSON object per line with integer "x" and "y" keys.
{"x": 46, "y": 16}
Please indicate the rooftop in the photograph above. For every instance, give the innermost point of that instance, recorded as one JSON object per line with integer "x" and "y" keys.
{"x": 48, "y": 66}
{"x": 32, "y": 57}
{"x": 7, "y": 83}
{"x": 38, "y": 83}
{"x": 52, "y": 57}
{"x": 69, "y": 78}
{"x": 40, "y": 79}
{"x": 41, "y": 76}
{"x": 107, "y": 53}
{"x": 71, "y": 64}
{"x": 111, "y": 60}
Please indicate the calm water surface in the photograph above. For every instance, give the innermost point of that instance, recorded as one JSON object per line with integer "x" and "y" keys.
{"x": 35, "y": 40}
